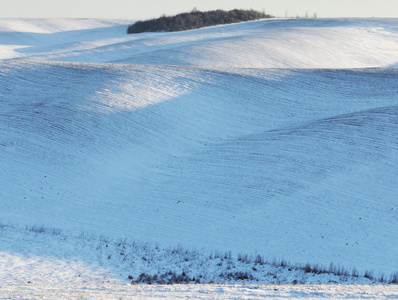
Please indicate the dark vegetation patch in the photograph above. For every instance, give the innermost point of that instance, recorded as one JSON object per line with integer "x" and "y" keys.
{"x": 169, "y": 277}
{"x": 196, "y": 19}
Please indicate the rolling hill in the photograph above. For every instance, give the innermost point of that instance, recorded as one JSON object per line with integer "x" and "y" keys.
{"x": 271, "y": 137}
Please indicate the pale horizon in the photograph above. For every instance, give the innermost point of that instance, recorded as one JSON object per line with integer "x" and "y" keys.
{"x": 134, "y": 10}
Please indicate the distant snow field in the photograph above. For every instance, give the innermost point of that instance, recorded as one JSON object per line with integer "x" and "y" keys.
{"x": 272, "y": 43}
{"x": 263, "y": 152}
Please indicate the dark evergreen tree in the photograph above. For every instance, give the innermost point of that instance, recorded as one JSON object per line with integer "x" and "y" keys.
{"x": 196, "y": 19}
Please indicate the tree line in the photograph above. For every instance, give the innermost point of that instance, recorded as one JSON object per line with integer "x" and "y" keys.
{"x": 196, "y": 19}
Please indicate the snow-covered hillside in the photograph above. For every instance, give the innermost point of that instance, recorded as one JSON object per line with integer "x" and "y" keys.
{"x": 272, "y": 43}
{"x": 273, "y": 137}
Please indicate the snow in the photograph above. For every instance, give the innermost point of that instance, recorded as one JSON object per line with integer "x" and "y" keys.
{"x": 273, "y": 43}
{"x": 117, "y": 291}
{"x": 272, "y": 137}
{"x": 85, "y": 258}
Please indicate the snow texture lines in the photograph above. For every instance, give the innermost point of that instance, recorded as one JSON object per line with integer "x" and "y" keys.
{"x": 276, "y": 137}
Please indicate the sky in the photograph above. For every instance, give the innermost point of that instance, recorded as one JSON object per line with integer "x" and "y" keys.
{"x": 144, "y": 9}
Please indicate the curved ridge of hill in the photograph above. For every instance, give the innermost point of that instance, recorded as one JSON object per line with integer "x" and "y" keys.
{"x": 276, "y": 43}
{"x": 298, "y": 164}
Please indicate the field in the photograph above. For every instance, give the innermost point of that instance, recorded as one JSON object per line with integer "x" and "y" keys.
{"x": 216, "y": 291}
{"x": 256, "y": 153}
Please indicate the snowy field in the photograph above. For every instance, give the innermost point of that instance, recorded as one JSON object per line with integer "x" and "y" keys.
{"x": 216, "y": 291}
{"x": 232, "y": 154}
